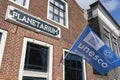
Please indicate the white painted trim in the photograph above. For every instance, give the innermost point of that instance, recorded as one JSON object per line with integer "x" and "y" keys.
{"x": 64, "y": 63}
{"x": 105, "y": 28}
{"x": 23, "y": 72}
{"x": 66, "y": 15}
{"x": 97, "y": 12}
{"x": 26, "y": 4}
{"x": 2, "y": 44}
{"x": 84, "y": 70}
{"x": 84, "y": 67}
{"x": 113, "y": 36}
{"x": 35, "y": 74}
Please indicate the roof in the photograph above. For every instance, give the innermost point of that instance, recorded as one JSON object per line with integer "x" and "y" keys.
{"x": 99, "y": 3}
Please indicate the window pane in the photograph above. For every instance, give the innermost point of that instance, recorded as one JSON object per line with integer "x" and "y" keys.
{"x": 73, "y": 75}
{"x": 61, "y": 6}
{"x": 106, "y": 38}
{"x": 50, "y": 15}
{"x": 107, "y": 41}
{"x": 73, "y": 64}
{"x": 56, "y": 18}
{"x": 115, "y": 46}
{"x": 79, "y": 75}
{"x": 56, "y": 3}
{"x": 33, "y": 78}
{"x": 56, "y": 11}
{"x": 67, "y": 74}
{"x": 51, "y": 8}
{"x": 61, "y": 14}
{"x": 61, "y": 21}
{"x": 36, "y": 57}
{"x": 106, "y": 33}
{"x": 79, "y": 65}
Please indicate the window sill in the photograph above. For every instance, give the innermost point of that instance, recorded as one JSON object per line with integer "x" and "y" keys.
{"x": 65, "y": 26}
{"x": 26, "y": 7}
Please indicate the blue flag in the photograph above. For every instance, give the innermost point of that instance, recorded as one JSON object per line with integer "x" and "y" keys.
{"x": 95, "y": 51}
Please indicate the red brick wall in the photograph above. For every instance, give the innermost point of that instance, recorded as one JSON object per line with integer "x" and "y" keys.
{"x": 13, "y": 48}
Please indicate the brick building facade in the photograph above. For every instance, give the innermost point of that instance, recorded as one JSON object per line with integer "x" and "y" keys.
{"x": 35, "y": 34}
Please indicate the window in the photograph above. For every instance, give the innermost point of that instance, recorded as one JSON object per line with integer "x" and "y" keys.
{"x": 3, "y": 36}
{"x": 36, "y": 60}
{"x": 106, "y": 37}
{"x": 58, "y": 11}
{"x": 89, "y": 12}
{"x": 24, "y": 3}
{"x": 115, "y": 46}
{"x": 73, "y": 68}
{"x": 111, "y": 41}
{"x": 36, "y": 57}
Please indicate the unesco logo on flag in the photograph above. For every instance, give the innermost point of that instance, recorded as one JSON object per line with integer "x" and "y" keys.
{"x": 108, "y": 54}
{"x": 93, "y": 41}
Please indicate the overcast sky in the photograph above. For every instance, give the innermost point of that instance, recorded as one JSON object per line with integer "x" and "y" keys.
{"x": 113, "y": 6}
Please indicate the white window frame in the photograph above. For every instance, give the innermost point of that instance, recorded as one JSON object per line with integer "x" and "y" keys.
{"x": 84, "y": 66}
{"x": 66, "y": 15}
{"x": 26, "y": 4}
{"x": 111, "y": 35}
{"x": 2, "y": 44}
{"x": 27, "y": 73}
{"x": 105, "y": 28}
{"x": 114, "y": 37}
